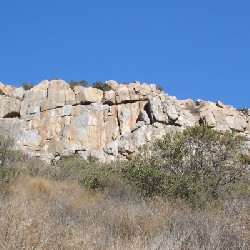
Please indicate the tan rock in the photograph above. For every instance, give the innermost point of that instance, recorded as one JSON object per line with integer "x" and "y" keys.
{"x": 122, "y": 94}
{"x": 220, "y": 104}
{"x": 113, "y": 84}
{"x": 7, "y": 89}
{"x": 55, "y": 120}
{"x": 88, "y": 95}
{"x": 248, "y": 127}
{"x": 146, "y": 91}
{"x": 134, "y": 91}
{"x": 18, "y": 93}
{"x": 56, "y": 95}
{"x": 9, "y": 107}
{"x": 109, "y": 97}
{"x": 128, "y": 114}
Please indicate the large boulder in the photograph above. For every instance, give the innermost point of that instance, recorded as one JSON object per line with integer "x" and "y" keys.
{"x": 9, "y": 107}
{"x": 88, "y": 95}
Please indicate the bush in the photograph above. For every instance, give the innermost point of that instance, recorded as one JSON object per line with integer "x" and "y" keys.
{"x": 27, "y": 85}
{"x": 1, "y": 92}
{"x": 148, "y": 180}
{"x": 159, "y": 87}
{"x": 73, "y": 83}
{"x": 244, "y": 111}
{"x": 102, "y": 86}
{"x": 91, "y": 174}
{"x": 7, "y": 152}
{"x": 97, "y": 176}
{"x": 8, "y": 155}
{"x": 68, "y": 168}
{"x": 198, "y": 165}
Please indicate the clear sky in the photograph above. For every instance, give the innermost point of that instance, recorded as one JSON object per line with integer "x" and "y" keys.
{"x": 193, "y": 48}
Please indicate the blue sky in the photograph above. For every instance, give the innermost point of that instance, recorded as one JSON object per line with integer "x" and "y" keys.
{"x": 194, "y": 49}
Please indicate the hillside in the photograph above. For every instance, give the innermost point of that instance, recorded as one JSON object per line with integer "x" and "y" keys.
{"x": 65, "y": 184}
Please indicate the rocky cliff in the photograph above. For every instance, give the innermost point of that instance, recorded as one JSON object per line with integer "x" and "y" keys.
{"x": 51, "y": 119}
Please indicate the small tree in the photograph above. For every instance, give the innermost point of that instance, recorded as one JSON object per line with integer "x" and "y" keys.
{"x": 198, "y": 164}
{"x": 8, "y": 155}
{"x": 6, "y": 150}
{"x": 102, "y": 86}
{"x": 159, "y": 87}
{"x": 73, "y": 83}
{"x": 27, "y": 85}
{"x": 244, "y": 111}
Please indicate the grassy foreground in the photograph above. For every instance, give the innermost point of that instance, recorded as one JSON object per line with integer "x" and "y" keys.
{"x": 38, "y": 213}
{"x": 190, "y": 190}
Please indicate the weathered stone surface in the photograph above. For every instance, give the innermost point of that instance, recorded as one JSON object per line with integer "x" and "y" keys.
{"x": 109, "y": 97}
{"x": 122, "y": 94}
{"x": 88, "y": 95}
{"x": 6, "y": 89}
{"x": 223, "y": 117}
{"x": 220, "y": 104}
{"x": 143, "y": 116}
{"x": 18, "y": 93}
{"x": 51, "y": 119}
{"x": 10, "y": 127}
{"x": 56, "y": 95}
{"x": 248, "y": 126}
{"x": 128, "y": 115}
{"x": 35, "y": 97}
{"x": 113, "y": 84}
{"x": 9, "y": 107}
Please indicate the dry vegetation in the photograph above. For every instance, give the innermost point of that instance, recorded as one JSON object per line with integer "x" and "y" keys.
{"x": 38, "y": 213}
{"x": 82, "y": 205}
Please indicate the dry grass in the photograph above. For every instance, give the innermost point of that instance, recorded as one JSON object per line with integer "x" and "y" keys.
{"x": 37, "y": 213}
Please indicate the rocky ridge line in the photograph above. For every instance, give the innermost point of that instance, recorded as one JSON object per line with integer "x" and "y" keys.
{"x": 51, "y": 119}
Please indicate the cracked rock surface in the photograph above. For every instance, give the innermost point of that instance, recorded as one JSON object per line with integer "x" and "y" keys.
{"x": 51, "y": 119}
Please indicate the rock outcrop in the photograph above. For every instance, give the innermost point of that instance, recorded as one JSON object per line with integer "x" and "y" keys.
{"x": 51, "y": 119}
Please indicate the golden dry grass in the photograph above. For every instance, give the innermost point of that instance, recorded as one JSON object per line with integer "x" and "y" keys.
{"x": 37, "y": 213}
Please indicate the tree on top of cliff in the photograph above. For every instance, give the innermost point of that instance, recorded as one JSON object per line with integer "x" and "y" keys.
{"x": 73, "y": 83}
{"x": 101, "y": 85}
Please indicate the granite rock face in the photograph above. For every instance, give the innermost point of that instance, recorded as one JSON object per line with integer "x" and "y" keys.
{"x": 52, "y": 120}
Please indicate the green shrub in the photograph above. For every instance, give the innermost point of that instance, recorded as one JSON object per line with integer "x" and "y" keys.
{"x": 244, "y": 111}
{"x": 91, "y": 174}
{"x": 8, "y": 155}
{"x": 1, "y": 92}
{"x": 92, "y": 159}
{"x": 27, "y": 85}
{"x": 159, "y": 87}
{"x": 73, "y": 83}
{"x": 148, "y": 179}
{"x": 8, "y": 172}
{"x": 68, "y": 168}
{"x": 97, "y": 176}
{"x": 102, "y": 86}
{"x": 198, "y": 165}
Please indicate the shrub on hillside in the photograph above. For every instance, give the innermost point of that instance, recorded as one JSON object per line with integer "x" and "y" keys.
{"x": 97, "y": 176}
{"x": 91, "y": 174}
{"x": 1, "y": 92}
{"x": 8, "y": 155}
{"x": 198, "y": 164}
